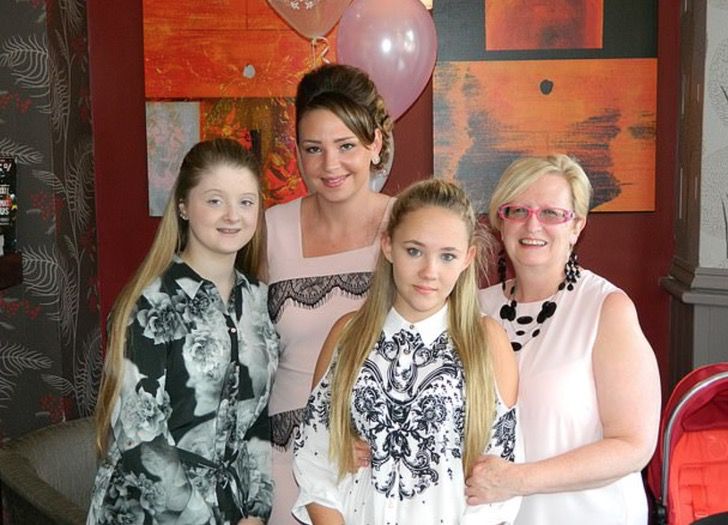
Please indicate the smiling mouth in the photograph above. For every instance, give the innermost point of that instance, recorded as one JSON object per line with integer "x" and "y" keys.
{"x": 334, "y": 182}
{"x": 229, "y": 230}
{"x": 532, "y": 242}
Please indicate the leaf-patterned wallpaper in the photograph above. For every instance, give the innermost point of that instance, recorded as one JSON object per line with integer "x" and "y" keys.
{"x": 50, "y": 355}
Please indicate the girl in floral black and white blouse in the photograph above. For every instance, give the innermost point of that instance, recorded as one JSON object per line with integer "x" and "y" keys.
{"x": 417, "y": 373}
{"x": 182, "y": 413}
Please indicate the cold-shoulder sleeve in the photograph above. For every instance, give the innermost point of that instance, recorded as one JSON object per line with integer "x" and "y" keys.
{"x": 506, "y": 442}
{"x": 315, "y": 472}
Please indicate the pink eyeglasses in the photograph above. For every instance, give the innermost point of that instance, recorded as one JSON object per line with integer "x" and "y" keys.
{"x": 515, "y": 213}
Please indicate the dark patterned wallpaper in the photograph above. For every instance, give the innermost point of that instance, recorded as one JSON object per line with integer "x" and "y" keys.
{"x": 50, "y": 357}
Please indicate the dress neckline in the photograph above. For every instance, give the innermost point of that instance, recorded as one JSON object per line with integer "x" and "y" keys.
{"x": 299, "y": 233}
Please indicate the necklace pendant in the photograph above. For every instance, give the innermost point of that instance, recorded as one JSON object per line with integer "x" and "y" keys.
{"x": 508, "y": 312}
{"x": 525, "y": 326}
{"x": 548, "y": 309}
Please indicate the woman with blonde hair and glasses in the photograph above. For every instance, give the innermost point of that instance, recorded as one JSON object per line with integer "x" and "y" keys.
{"x": 182, "y": 425}
{"x": 418, "y": 374}
{"x": 589, "y": 390}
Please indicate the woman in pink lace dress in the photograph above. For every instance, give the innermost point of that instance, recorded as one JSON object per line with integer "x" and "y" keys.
{"x": 322, "y": 248}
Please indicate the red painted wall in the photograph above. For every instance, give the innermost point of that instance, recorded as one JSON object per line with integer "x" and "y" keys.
{"x": 634, "y": 250}
{"x": 124, "y": 227}
{"x": 631, "y": 249}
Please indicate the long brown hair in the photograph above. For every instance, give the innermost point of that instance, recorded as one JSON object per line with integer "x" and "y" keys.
{"x": 464, "y": 326}
{"x": 171, "y": 239}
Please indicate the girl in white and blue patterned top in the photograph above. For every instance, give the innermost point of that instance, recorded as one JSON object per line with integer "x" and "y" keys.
{"x": 426, "y": 381}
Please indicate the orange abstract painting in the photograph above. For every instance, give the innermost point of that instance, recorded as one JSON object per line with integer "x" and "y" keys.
{"x": 236, "y": 64}
{"x": 543, "y": 24}
{"x": 603, "y": 112}
{"x": 226, "y": 48}
{"x": 238, "y": 118}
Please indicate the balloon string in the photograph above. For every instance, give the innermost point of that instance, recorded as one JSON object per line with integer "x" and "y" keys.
{"x": 316, "y": 56}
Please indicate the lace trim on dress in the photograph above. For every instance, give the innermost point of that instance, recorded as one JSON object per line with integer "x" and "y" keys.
{"x": 284, "y": 425}
{"x": 312, "y": 292}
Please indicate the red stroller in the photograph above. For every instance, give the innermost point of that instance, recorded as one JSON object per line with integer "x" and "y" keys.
{"x": 689, "y": 473}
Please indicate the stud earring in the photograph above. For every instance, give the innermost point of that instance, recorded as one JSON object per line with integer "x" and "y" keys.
{"x": 376, "y": 159}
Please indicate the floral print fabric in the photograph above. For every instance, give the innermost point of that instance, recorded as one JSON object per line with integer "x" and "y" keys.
{"x": 408, "y": 404}
{"x": 191, "y": 433}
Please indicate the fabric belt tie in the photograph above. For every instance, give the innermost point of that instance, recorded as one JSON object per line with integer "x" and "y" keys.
{"x": 224, "y": 473}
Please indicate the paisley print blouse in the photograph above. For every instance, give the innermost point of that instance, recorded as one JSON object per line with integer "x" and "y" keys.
{"x": 190, "y": 433}
{"x": 408, "y": 404}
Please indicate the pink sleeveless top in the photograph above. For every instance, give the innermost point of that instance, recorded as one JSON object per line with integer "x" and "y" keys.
{"x": 559, "y": 410}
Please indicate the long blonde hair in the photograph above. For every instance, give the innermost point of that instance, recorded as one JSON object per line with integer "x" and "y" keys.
{"x": 170, "y": 239}
{"x": 464, "y": 326}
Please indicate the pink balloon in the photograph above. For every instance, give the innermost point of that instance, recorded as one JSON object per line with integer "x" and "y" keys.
{"x": 311, "y": 18}
{"x": 395, "y": 42}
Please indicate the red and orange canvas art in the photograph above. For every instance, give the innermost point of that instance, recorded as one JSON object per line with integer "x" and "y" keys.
{"x": 241, "y": 118}
{"x": 543, "y": 24}
{"x": 235, "y": 64}
{"x": 487, "y": 114}
{"x": 519, "y": 78}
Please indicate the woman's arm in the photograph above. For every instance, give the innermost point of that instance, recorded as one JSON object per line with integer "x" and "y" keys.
{"x": 505, "y": 368}
{"x": 506, "y": 443}
{"x": 317, "y": 475}
{"x": 327, "y": 350}
{"x": 140, "y": 424}
{"x": 628, "y": 395}
{"x": 321, "y": 515}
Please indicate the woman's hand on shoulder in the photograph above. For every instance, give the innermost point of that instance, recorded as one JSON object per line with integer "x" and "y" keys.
{"x": 505, "y": 368}
{"x": 327, "y": 350}
{"x": 362, "y": 454}
{"x": 627, "y": 379}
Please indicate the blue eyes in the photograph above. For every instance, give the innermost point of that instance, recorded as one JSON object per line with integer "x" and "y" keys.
{"x": 415, "y": 252}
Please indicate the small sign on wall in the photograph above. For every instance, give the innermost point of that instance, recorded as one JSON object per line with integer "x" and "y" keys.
{"x": 8, "y": 205}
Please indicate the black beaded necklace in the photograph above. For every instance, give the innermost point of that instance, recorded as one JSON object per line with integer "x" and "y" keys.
{"x": 509, "y": 311}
